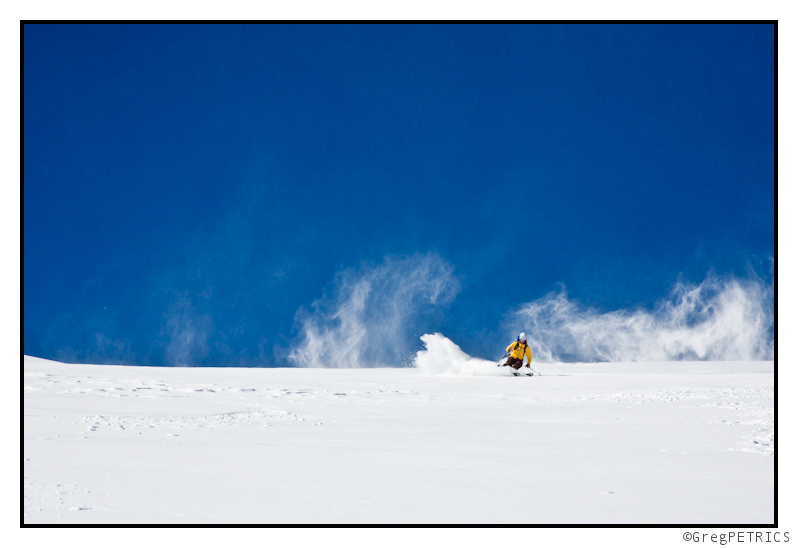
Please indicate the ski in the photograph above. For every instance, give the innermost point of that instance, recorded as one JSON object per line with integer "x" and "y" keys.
{"x": 531, "y": 373}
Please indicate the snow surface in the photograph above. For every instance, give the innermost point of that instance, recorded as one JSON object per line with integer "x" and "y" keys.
{"x": 454, "y": 440}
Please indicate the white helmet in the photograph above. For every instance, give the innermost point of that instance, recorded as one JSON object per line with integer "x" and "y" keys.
{"x": 522, "y": 337}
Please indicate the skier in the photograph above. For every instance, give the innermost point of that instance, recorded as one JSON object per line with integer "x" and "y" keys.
{"x": 517, "y": 351}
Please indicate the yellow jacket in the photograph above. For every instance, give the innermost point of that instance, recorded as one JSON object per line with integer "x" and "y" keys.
{"x": 517, "y": 350}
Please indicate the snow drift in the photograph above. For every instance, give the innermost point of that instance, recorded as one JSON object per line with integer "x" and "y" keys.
{"x": 718, "y": 320}
{"x": 368, "y": 321}
{"x": 377, "y": 312}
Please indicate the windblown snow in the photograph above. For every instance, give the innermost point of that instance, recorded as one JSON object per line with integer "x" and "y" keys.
{"x": 452, "y": 440}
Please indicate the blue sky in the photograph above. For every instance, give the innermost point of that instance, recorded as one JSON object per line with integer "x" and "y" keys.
{"x": 214, "y": 180}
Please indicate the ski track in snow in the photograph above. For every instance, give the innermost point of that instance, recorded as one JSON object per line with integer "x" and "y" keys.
{"x": 752, "y": 407}
{"x": 154, "y": 411}
{"x": 256, "y": 416}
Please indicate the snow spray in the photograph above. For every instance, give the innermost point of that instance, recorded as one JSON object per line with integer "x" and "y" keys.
{"x": 443, "y": 357}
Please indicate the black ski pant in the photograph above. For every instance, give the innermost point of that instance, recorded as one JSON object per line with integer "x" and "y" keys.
{"x": 515, "y": 363}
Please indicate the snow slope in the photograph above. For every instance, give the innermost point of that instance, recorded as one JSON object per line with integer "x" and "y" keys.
{"x": 667, "y": 442}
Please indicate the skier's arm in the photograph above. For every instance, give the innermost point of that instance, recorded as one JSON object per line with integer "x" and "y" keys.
{"x": 509, "y": 347}
{"x": 528, "y": 356}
